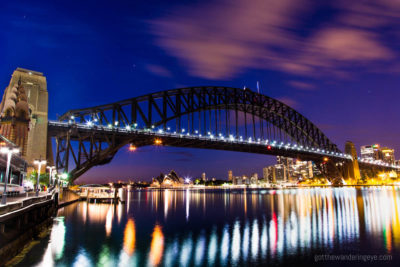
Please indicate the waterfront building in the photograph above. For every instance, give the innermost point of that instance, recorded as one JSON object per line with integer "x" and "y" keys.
{"x": 254, "y": 179}
{"x": 237, "y": 180}
{"x": 388, "y": 155}
{"x": 288, "y": 163}
{"x": 265, "y": 173}
{"x": 367, "y": 152}
{"x": 230, "y": 175}
{"x": 171, "y": 179}
{"x": 280, "y": 173}
{"x": 275, "y": 174}
{"x": 302, "y": 170}
{"x": 245, "y": 180}
{"x": 375, "y": 152}
{"x": 293, "y": 169}
{"x": 371, "y": 152}
{"x": 269, "y": 174}
{"x": 203, "y": 176}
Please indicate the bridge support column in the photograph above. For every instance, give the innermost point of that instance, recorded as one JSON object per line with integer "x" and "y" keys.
{"x": 352, "y": 170}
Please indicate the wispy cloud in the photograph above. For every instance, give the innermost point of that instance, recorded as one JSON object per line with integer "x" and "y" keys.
{"x": 302, "y": 85}
{"x": 159, "y": 70}
{"x": 220, "y": 40}
{"x": 289, "y": 101}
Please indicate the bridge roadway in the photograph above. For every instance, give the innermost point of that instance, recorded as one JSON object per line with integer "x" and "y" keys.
{"x": 143, "y": 137}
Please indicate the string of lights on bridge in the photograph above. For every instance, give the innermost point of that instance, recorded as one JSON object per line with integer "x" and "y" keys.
{"x": 216, "y": 137}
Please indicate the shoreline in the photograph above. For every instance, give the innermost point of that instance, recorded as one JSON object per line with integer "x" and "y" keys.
{"x": 253, "y": 187}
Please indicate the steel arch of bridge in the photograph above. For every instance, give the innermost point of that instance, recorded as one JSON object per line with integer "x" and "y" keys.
{"x": 219, "y": 110}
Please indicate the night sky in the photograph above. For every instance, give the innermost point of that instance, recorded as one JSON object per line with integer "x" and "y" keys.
{"x": 336, "y": 62}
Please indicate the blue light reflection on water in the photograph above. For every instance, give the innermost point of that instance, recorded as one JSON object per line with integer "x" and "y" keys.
{"x": 222, "y": 227}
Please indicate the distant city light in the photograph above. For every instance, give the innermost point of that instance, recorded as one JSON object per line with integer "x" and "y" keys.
{"x": 158, "y": 141}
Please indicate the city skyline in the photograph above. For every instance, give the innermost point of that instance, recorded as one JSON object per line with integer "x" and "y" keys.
{"x": 349, "y": 98}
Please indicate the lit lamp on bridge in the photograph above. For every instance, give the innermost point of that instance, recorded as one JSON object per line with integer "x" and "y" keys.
{"x": 39, "y": 163}
{"x": 9, "y": 152}
{"x": 51, "y": 168}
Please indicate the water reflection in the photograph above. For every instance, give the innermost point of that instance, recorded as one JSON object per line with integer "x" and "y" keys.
{"x": 129, "y": 237}
{"x": 109, "y": 221}
{"x": 157, "y": 246}
{"x": 217, "y": 228}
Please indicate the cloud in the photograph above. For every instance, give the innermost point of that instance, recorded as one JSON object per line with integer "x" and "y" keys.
{"x": 225, "y": 38}
{"x": 332, "y": 50}
{"x": 344, "y": 44}
{"x": 289, "y": 101}
{"x": 220, "y": 40}
{"x": 159, "y": 70}
{"x": 302, "y": 85}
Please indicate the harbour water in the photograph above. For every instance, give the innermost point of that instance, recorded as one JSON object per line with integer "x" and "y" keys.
{"x": 258, "y": 227}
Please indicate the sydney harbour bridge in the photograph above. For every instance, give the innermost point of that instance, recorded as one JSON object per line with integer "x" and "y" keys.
{"x": 207, "y": 117}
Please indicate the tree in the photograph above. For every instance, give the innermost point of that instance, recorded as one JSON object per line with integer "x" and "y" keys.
{"x": 43, "y": 178}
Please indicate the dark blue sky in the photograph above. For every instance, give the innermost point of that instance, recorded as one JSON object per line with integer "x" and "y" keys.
{"x": 337, "y": 63}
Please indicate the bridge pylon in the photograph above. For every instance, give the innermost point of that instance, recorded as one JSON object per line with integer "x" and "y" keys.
{"x": 24, "y": 115}
{"x": 351, "y": 168}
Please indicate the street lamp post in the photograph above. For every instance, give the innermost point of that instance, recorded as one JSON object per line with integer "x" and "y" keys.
{"x": 39, "y": 163}
{"x": 51, "y": 168}
{"x": 9, "y": 152}
{"x": 64, "y": 176}
{"x": 54, "y": 178}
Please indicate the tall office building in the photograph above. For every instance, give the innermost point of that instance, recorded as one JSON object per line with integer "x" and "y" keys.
{"x": 27, "y": 94}
{"x": 388, "y": 155}
{"x": 375, "y": 152}
{"x": 295, "y": 169}
{"x": 288, "y": 163}
{"x": 230, "y": 175}
{"x": 370, "y": 152}
{"x": 303, "y": 169}
{"x": 265, "y": 173}
{"x": 203, "y": 176}
{"x": 281, "y": 172}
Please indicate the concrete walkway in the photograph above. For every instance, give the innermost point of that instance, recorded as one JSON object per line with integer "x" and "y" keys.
{"x": 22, "y": 197}
{"x": 17, "y": 202}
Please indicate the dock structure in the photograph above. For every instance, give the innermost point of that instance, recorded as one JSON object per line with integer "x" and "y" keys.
{"x": 95, "y": 193}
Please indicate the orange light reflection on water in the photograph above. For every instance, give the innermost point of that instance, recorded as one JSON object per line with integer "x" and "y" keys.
{"x": 129, "y": 237}
{"x": 157, "y": 245}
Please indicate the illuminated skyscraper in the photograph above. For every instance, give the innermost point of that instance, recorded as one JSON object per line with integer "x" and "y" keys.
{"x": 230, "y": 175}
{"x": 371, "y": 152}
{"x": 388, "y": 155}
{"x": 288, "y": 163}
{"x": 265, "y": 173}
